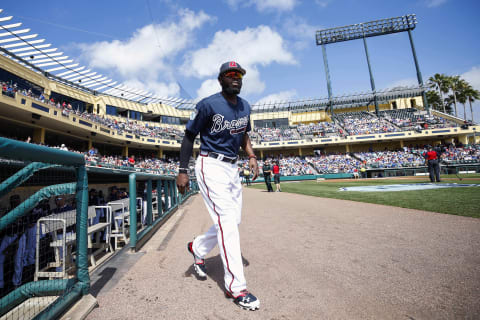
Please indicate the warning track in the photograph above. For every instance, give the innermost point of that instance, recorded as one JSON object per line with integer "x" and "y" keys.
{"x": 306, "y": 258}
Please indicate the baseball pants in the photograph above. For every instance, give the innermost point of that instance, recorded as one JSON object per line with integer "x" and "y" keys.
{"x": 221, "y": 190}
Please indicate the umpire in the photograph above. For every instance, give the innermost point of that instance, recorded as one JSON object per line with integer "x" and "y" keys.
{"x": 432, "y": 158}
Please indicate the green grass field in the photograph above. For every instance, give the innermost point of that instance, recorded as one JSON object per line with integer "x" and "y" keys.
{"x": 458, "y": 201}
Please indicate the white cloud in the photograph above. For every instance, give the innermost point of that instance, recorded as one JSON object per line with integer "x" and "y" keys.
{"x": 434, "y": 3}
{"x": 146, "y": 55}
{"x": 251, "y": 48}
{"x": 409, "y": 82}
{"x": 323, "y": 3}
{"x": 472, "y": 76}
{"x": 277, "y": 97}
{"x": 264, "y": 5}
{"x": 208, "y": 87}
{"x": 302, "y": 33}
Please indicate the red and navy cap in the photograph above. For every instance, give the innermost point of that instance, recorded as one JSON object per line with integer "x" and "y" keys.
{"x": 231, "y": 65}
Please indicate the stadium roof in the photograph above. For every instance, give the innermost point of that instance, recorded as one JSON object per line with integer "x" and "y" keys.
{"x": 19, "y": 44}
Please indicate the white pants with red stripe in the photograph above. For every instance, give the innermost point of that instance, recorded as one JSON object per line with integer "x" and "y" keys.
{"x": 221, "y": 189}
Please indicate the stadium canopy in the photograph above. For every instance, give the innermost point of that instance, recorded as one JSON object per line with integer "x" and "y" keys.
{"x": 20, "y": 45}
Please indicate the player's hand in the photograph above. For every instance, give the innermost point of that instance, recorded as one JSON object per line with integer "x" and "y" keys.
{"x": 182, "y": 183}
{"x": 252, "y": 163}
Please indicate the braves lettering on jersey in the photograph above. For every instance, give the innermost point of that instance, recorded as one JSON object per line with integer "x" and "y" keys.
{"x": 221, "y": 125}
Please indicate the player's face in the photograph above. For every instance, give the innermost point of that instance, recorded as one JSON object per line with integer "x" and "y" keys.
{"x": 231, "y": 82}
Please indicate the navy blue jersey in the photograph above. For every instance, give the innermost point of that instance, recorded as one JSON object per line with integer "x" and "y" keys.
{"x": 221, "y": 124}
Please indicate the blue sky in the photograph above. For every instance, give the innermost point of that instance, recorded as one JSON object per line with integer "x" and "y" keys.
{"x": 157, "y": 44}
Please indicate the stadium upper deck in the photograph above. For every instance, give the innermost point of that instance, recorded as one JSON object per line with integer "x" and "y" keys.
{"x": 46, "y": 107}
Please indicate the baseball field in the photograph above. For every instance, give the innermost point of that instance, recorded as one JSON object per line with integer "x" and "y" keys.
{"x": 463, "y": 201}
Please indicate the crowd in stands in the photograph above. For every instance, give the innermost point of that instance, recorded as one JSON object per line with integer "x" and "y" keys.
{"x": 392, "y": 159}
{"x": 147, "y": 164}
{"x": 335, "y": 163}
{"x": 352, "y": 123}
{"x": 322, "y": 129}
{"x": 358, "y": 123}
{"x": 464, "y": 153}
{"x": 275, "y": 134}
{"x": 413, "y": 119}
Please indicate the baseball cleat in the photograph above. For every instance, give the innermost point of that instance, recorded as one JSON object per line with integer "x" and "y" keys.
{"x": 199, "y": 264}
{"x": 245, "y": 300}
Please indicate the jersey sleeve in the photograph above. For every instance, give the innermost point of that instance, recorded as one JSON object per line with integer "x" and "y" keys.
{"x": 198, "y": 119}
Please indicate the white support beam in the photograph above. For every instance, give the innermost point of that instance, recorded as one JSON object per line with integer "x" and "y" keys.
{"x": 5, "y": 34}
{"x": 120, "y": 86}
{"x": 12, "y": 39}
{"x": 13, "y": 25}
{"x": 83, "y": 76}
{"x": 94, "y": 79}
{"x": 6, "y": 18}
{"x": 35, "y": 61}
{"x": 105, "y": 86}
{"x": 34, "y": 51}
{"x": 53, "y": 63}
{"x": 42, "y": 56}
{"x": 21, "y": 44}
{"x": 70, "y": 71}
{"x": 63, "y": 67}
{"x": 99, "y": 83}
{"x": 69, "y": 77}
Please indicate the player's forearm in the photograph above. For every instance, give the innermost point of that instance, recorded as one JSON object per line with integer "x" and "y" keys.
{"x": 186, "y": 149}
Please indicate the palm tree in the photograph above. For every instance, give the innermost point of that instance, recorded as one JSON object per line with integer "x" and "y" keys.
{"x": 461, "y": 96}
{"x": 471, "y": 95}
{"x": 435, "y": 101}
{"x": 440, "y": 82}
{"x": 454, "y": 84}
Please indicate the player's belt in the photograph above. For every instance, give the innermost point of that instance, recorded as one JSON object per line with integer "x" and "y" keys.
{"x": 218, "y": 156}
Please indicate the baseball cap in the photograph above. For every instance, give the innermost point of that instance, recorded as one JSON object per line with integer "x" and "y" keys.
{"x": 231, "y": 65}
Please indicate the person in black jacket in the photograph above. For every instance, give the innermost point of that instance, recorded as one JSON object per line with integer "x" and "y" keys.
{"x": 267, "y": 175}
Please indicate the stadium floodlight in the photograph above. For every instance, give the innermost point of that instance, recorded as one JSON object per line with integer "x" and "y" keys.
{"x": 366, "y": 29}
{"x": 362, "y": 31}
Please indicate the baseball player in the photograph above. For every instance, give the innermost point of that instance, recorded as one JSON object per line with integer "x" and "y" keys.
{"x": 223, "y": 120}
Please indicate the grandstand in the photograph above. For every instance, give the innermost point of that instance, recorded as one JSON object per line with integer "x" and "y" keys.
{"x": 53, "y": 113}
{"x": 118, "y": 134}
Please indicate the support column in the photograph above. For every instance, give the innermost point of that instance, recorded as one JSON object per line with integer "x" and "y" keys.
{"x": 90, "y": 143}
{"x": 261, "y": 154}
{"x": 149, "y": 203}
{"x": 159, "y": 198}
{"x": 327, "y": 75}
{"x": 160, "y": 153}
{"x": 372, "y": 82}
{"x": 39, "y": 135}
{"x": 463, "y": 139}
{"x": 125, "y": 151}
{"x": 402, "y": 144}
{"x": 419, "y": 74}
{"x": 300, "y": 152}
{"x": 347, "y": 148}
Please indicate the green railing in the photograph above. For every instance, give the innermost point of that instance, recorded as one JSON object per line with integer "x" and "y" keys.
{"x": 70, "y": 290}
{"x": 165, "y": 186}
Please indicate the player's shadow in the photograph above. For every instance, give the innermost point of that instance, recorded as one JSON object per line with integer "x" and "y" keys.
{"x": 214, "y": 270}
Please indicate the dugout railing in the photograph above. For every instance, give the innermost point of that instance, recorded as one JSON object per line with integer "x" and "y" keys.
{"x": 50, "y": 297}
{"x": 40, "y": 173}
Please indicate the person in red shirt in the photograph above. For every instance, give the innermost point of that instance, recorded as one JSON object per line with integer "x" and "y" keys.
{"x": 131, "y": 161}
{"x": 432, "y": 158}
{"x": 276, "y": 176}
